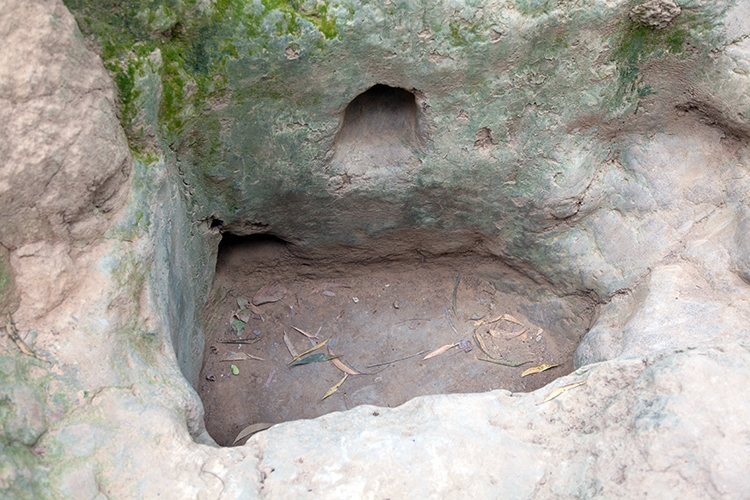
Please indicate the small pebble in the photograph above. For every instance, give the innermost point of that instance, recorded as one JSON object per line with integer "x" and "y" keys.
{"x": 355, "y": 299}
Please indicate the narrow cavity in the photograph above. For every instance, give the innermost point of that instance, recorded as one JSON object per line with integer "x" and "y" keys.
{"x": 372, "y": 313}
{"x": 380, "y": 128}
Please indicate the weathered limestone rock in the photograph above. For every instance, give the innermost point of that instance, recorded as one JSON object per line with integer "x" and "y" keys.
{"x": 636, "y": 428}
{"x": 655, "y": 14}
{"x": 597, "y": 155}
{"x": 64, "y": 158}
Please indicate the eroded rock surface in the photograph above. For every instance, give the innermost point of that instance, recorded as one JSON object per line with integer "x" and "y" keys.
{"x": 600, "y": 157}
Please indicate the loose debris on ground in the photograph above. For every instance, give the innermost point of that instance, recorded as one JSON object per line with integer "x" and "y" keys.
{"x": 392, "y": 336}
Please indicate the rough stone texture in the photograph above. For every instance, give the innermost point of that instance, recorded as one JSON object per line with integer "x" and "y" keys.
{"x": 655, "y": 14}
{"x": 637, "y": 428}
{"x": 604, "y": 158}
{"x": 59, "y": 128}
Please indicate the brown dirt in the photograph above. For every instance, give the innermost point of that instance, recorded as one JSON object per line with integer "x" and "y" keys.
{"x": 373, "y": 314}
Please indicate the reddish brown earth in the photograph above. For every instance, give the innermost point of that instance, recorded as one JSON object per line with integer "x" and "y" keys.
{"x": 373, "y": 314}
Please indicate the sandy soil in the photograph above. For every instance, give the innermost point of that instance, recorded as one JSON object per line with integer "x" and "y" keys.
{"x": 371, "y": 315}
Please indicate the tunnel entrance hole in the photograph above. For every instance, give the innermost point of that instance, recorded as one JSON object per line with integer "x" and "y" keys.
{"x": 381, "y": 318}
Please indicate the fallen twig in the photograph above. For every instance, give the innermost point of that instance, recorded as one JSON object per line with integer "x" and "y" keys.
{"x": 397, "y": 360}
{"x": 503, "y": 362}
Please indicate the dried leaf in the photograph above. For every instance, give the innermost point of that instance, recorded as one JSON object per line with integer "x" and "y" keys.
{"x": 450, "y": 321}
{"x": 310, "y": 350}
{"x": 538, "y": 369}
{"x": 440, "y": 350}
{"x": 505, "y": 334}
{"x": 290, "y": 346}
{"x": 503, "y": 362}
{"x": 255, "y": 311}
{"x": 506, "y": 317}
{"x": 250, "y": 430}
{"x": 244, "y": 315}
{"x": 552, "y": 395}
{"x": 242, "y": 303}
{"x": 327, "y": 293}
{"x": 273, "y": 292}
{"x": 238, "y": 326}
{"x": 308, "y": 335}
{"x": 335, "y": 387}
{"x": 313, "y": 358}
{"x": 341, "y": 366}
{"x": 235, "y": 370}
{"x": 455, "y": 292}
{"x": 241, "y": 356}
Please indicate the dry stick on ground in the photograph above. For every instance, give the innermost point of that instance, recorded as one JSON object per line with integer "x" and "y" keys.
{"x": 10, "y": 328}
{"x": 397, "y": 360}
{"x": 503, "y": 362}
{"x": 239, "y": 341}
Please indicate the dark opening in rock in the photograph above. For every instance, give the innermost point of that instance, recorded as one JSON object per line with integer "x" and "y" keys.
{"x": 382, "y": 317}
{"x": 380, "y": 128}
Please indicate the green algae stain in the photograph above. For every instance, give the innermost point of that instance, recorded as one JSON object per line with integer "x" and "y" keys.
{"x": 5, "y": 278}
{"x": 195, "y": 41}
{"x": 318, "y": 15}
{"x": 637, "y": 45}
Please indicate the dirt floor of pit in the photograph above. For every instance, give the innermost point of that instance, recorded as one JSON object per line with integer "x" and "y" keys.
{"x": 373, "y": 314}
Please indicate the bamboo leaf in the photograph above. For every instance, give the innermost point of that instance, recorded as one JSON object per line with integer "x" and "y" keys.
{"x": 506, "y": 317}
{"x": 538, "y": 369}
{"x": 552, "y": 395}
{"x": 313, "y": 358}
{"x": 250, "y": 430}
{"x": 310, "y": 350}
{"x": 335, "y": 387}
{"x": 341, "y": 366}
{"x": 273, "y": 292}
{"x": 455, "y": 292}
{"x": 504, "y": 362}
{"x": 506, "y": 334}
{"x": 244, "y": 315}
{"x": 440, "y": 350}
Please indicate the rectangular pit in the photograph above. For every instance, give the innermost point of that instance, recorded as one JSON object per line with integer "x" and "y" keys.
{"x": 373, "y": 313}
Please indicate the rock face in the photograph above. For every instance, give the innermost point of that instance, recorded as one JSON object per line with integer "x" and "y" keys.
{"x": 592, "y": 152}
{"x": 656, "y": 14}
